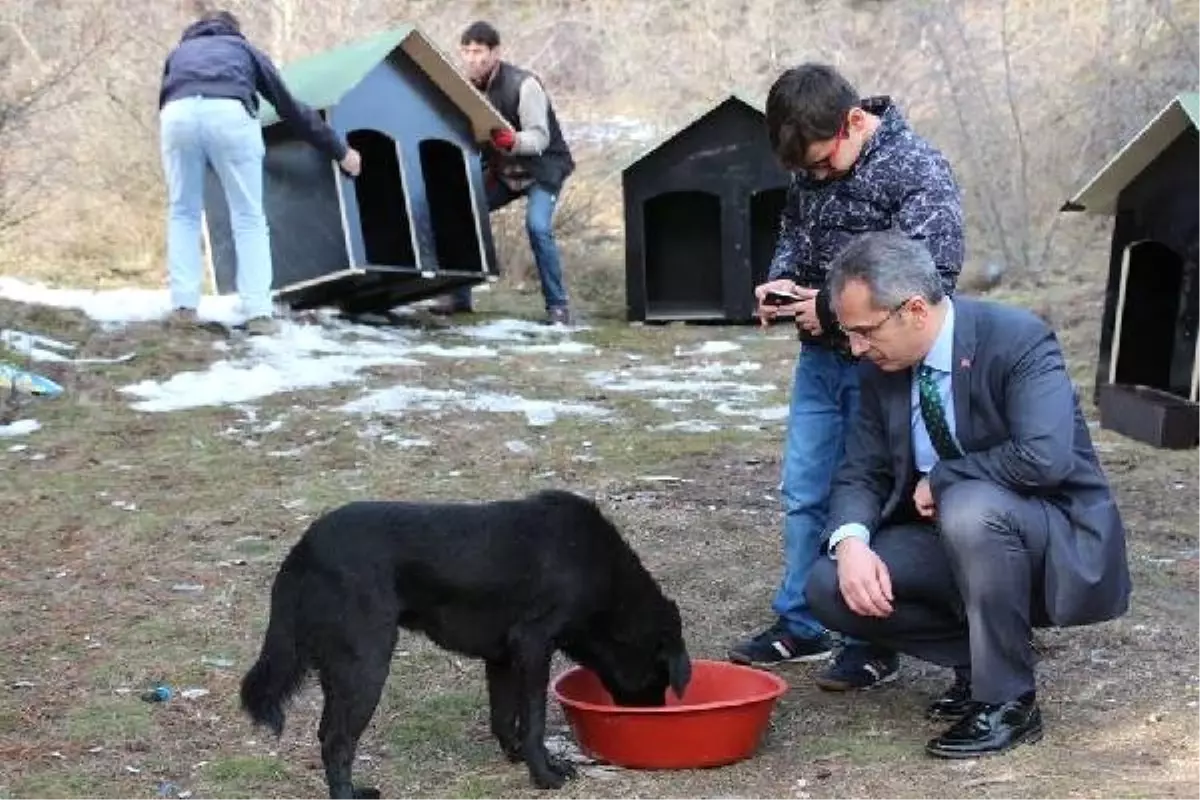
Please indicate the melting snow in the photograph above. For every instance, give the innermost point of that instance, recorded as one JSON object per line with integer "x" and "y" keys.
{"x": 326, "y": 351}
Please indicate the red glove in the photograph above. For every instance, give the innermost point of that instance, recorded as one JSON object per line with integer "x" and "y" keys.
{"x": 503, "y": 138}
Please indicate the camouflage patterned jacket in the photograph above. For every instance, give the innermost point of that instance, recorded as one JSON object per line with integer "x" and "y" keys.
{"x": 900, "y": 180}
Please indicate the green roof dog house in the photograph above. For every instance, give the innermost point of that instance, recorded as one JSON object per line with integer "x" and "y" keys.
{"x": 414, "y": 223}
{"x": 1148, "y": 371}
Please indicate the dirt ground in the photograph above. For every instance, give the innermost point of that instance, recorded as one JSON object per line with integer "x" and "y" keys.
{"x": 139, "y": 547}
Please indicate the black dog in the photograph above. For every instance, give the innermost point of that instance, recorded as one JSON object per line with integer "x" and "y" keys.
{"x": 509, "y": 582}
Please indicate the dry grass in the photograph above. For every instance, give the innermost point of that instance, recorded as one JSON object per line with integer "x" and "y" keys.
{"x": 87, "y": 610}
{"x": 90, "y": 618}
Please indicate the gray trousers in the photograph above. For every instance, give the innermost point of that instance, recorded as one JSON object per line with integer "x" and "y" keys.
{"x": 962, "y": 588}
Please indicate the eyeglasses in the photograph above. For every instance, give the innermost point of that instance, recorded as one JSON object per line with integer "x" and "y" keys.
{"x": 868, "y": 332}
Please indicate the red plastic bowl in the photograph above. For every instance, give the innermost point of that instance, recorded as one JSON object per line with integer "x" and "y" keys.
{"x": 721, "y": 718}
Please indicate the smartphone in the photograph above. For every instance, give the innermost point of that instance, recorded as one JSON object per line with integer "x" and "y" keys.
{"x": 778, "y": 298}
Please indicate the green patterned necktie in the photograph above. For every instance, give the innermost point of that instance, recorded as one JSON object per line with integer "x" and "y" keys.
{"x": 933, "y": 413}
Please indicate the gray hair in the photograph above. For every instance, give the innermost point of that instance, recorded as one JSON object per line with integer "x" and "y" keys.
{"x": 893, "y": 266}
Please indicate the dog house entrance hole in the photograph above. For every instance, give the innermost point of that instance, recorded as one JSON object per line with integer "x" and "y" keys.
{"x": 382, "y": 207}
{"x": 1155, "y": 337}
{"x": 765, "y": 208}
{"x": 683, "y": 263}
{"x": 451, "y": 209}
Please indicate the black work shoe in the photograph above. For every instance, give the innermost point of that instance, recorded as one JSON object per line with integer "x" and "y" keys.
{"x": 989, "y": 729}
{"x": 859, "y": 666}
{"x": 777, "y": 645}
{"x": 955, "y": 701}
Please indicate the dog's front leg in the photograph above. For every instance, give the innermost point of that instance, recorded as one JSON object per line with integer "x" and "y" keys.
{"x": 504, "y": 691}
{"x": 533, "y": 659}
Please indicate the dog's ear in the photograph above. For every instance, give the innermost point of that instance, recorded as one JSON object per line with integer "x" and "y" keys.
{"x": 679, "y": 671}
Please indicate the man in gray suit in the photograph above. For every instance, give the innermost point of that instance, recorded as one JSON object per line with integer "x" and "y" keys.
{"x": 970, "y": 506}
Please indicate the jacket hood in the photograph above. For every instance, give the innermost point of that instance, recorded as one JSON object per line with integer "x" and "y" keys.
{"x": 209, "y": 27}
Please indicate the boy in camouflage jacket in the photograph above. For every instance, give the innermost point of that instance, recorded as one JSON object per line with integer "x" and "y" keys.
{"x": 857, "y": 166}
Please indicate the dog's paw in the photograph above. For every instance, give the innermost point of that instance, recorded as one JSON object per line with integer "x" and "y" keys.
{"x": 513, "y": 752}
{"x": 367, "y": 792}
{"x": 560, "y": 766}
{"x": 551, "y": 780}
{"x": 556, "y": 774}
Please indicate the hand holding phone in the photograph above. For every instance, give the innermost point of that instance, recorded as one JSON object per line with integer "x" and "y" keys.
{"x": 779, "y": 297}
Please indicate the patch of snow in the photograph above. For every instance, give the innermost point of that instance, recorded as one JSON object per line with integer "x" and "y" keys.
{"x": 453, "y": 352}
{"x": 672, "y": 403}
{"x": 119, "y": 305}
{"x": 227, "y": 382}
{"x": 321, "y": 351}
{"x": 20, "y": 427}
{"x": 403, "y": 443}
{"x": 561, "y": 348}
{"x": 709, "y": 349}
{"x": 768, "y": 414}
{"x": 398, "y": 399}
{"x": 514, "y": 330}
{"x": 690, "y": 426}
{"x": 618, "y": 129}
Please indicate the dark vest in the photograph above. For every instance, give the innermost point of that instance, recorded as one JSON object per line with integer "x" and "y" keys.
{"x": 553, "y": 166}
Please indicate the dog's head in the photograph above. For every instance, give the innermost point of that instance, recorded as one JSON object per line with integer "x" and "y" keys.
{"x": 642, "y": 657}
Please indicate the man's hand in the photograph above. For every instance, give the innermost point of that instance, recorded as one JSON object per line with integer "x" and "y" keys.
{"x": 923, "y": 500}
{"x": 768, "y": 312}
{"x": 351, "y": 163}
{"x": 863, "y": 579}
{"x": 806, "y": 313}
{"x": 503, "y": 139}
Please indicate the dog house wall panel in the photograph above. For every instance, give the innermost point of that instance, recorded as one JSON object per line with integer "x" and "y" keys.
{"x": 723, "y": 155}
{"x": 300, "y": 201}
{"x": 1159, "y": 206}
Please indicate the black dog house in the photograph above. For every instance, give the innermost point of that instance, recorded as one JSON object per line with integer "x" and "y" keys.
{"x": 414, "y": 223}
{"x": 701, "y": 218}
{"x": 1147, "y": 376}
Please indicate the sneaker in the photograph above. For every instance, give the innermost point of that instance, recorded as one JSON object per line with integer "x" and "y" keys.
{"x": 859, "y": 667}
{"x": 559, "y": 315}
{"x": 261, "y": 326}
{"x": 777, "y": 645}
{"x": 180, "y": 319}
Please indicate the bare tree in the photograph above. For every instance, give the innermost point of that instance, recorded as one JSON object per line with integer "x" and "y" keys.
{"x": 33, "y": 85}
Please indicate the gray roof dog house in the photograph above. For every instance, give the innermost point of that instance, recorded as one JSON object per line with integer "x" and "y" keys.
{"x": 414, "y": 223}
{"x": 1148, "y": 371}
{"x": 702, "y": 218}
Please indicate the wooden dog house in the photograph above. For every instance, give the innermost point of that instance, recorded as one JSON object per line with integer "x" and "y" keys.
{"x": 702, "y": 217}
{"x": 1148, "y": 371}
{"x": 414, "y": 223}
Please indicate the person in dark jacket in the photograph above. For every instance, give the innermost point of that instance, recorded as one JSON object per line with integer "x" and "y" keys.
{"x": 857, "y": 167}
{"x": 208, "y": 108}
{"x": 532, "y": 160}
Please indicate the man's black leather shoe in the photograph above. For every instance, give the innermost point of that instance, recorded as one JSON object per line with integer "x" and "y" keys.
{"x": 955, "y": 702}
{"x": 989, "y": 729}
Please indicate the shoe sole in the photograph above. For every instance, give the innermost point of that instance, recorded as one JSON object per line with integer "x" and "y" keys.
{"x": 841, "y": 686}
{"x": 737, "y": 658}
{"x": 1029, "y": 737}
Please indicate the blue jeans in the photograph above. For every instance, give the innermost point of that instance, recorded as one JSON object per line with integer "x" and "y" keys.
{"x": 539, "y": 224}
{"x": 196, "y": 131}
{"x": 824, "y": 403}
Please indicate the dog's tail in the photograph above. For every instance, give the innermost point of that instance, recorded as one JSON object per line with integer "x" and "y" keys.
{"x": 281, "y": 665}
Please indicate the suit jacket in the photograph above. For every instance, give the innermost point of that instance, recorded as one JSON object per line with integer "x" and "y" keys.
{"x": 1018, "y": 420}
